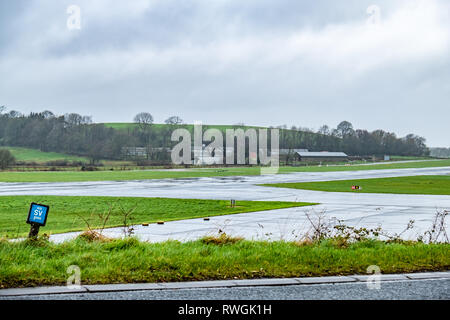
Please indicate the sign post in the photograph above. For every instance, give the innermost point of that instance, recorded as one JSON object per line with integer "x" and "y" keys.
{"x": 37, "y": 217}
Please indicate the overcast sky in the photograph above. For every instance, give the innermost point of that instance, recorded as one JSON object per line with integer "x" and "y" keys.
{"x": 258, "y": 62}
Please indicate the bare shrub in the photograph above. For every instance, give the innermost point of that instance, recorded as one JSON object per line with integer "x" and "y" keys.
{"x": 320, "y": 226}
{"x": 437, "y": 232}
{"x": 324, "y": 228}
{"x": 128, "y": 230}
{"x": 397, "y": 237}
{"x": 354, "y": 234}
{"x": 103, "y": 218}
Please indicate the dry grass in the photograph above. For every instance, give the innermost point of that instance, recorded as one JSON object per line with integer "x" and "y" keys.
{"x": 92, "y": 235}
{"x": 221, "y": 239}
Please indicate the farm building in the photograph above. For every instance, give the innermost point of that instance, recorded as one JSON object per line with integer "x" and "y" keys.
{"x": 321, "y": 156}
{"x": 284, "y": 152}
{"x": 287, "y": 156}
{"x": 291, "y": 156}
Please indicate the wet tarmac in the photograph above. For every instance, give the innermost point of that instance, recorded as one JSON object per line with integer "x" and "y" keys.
{"x": 390, "y": 211}
{"x": 390, "y": 290}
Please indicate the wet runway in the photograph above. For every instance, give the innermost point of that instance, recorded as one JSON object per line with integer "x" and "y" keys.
{"x": 391, "y": 211}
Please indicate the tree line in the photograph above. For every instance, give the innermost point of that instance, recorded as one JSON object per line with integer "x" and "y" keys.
{"x": 78, "y": 135}
{"x": 440, "y": 152}
{"x": 354, "y": 142}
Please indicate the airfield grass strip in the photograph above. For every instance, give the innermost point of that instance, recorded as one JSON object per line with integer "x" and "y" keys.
{"x": 437, "y": 185}
{"x": 131, "y": 261}
{"x": 68, "y": 213}
{"x": 78, "y": 176}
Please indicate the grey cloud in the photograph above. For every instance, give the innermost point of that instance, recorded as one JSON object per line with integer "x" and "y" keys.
{"x": 264, "y": 62}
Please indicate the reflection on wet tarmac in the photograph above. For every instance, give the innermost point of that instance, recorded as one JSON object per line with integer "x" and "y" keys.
{"x": 391, "y": 211}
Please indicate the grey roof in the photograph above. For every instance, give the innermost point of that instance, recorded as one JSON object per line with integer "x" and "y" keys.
{"x": 322, "y": 154}
{"x": 289, "y": 151}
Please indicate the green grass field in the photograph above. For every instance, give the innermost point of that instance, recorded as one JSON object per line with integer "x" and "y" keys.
{"x": 160, "y": 126}
{"x": 131, "y": 261}
{"x": 34, "y": 155}
{"x": 76, "y": 176}
{"x": 65, "y": 212}
{"x": 439, "y": 185}
{"x": 406, "y": 158}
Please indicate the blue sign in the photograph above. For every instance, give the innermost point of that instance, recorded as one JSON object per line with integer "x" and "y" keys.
{"x": 38, "y": 214}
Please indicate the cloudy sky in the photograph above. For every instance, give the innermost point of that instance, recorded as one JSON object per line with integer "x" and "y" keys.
{"x": 258, "y": 62}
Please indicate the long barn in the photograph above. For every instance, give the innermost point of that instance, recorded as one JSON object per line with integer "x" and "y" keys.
{"x": 321, "y": 156}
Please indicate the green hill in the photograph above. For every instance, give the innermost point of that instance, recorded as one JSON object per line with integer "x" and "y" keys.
{"x": 34, "y": 155}
{"x": 131, "y": 125}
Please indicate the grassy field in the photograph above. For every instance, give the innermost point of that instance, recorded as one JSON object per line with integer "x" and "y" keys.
{"x": 405, "y": 158}
{"x": 65, "y": 212}
{"x": 131, "y": 261}
{"x": 74, "y": 176}
{"x": 401, "y": 185}
{"x": 34, "y": 155}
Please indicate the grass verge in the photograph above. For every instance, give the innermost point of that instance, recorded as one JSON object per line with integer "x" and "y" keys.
{"x": 130, "y": 261}
{"x": 68, "y": 213}
{"x": 437, "y": 185}
{"x": 77, "y": 176}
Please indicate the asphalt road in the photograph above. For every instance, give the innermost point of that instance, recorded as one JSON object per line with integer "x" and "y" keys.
{"x": 438, "y": 289}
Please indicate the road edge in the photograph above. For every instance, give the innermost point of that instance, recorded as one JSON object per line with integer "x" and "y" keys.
{"x": 220, "y": 284}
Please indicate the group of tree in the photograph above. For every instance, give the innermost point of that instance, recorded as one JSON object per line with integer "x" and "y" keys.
{"x": 70, "y": 133}
{"x": 75, "y": 134}
{"x": 353, "y": 142}
{"x": 78, "y": 135}
{"x": 440, "y": 152}
{"x": 6, "y": 159}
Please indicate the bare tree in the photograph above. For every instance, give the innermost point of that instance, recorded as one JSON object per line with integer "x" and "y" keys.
{"x": 144, "y": 120}
{"x": 86, "y": 120}
{"x": 344, "y": 129}
{"x": 14, "y": 114}
{"x": 325, "y": 130}
{"x": 73, "y": 119}
{"x": 48, "y": 114}
{"x": 174, "y": 120}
